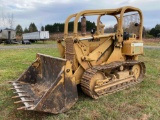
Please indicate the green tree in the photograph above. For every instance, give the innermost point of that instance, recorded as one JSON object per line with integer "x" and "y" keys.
{"x": 157, "y": 27}
{"x": 59, "y": 27}
{"x": 49, "y": 28}
{"x": 155, "y": 31}
{"x": 42, "y": 28}
{"x": 26, "y": 30}
{"x": 19, "y": 30}
{"x": 32, "y": 28}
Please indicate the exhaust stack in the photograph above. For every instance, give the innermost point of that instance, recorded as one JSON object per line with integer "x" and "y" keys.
{"x": 83, "y": 26}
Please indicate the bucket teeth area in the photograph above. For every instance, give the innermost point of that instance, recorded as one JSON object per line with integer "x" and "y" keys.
{"x": 13, "y": 82}
{"x": 48, "y": 87}
{"x": 15, "y": 88}
{"x": 17, "y": 102}
{"x": 20, "y": 92}
{"x": 20, "y": 96}
{"x": 24, "y": 107}
{"x": 24, "y": 97}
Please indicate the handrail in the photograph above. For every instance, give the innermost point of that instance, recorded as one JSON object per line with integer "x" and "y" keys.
{"x": 101, "y": 12}
{"x": 66, "y": 24}
{"x": 129, "y": 9}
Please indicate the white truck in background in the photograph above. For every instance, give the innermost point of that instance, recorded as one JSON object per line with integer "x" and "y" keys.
{"x": 7, "y": 36}
{"x": 36, "y": 36}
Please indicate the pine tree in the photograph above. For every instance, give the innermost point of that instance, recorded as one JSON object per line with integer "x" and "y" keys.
{"x": 26, "y": 30}
{"x": 32, "y": 28}
{"x": 19, "y": 30}
{"x": 42, "y": 28}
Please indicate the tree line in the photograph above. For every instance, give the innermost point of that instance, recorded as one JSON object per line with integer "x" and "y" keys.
{"x": 32, "y": 28}
{"x": 56, "y": 27}
{"x": 147, "y": 33}
{"x": 59, "y": 27}
{"x": 155, "y": 31}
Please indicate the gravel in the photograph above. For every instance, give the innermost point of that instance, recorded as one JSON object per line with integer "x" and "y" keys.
{"x": 27, "y": 46}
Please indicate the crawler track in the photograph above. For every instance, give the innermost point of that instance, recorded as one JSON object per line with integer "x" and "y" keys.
{"x": 111, "y": 86}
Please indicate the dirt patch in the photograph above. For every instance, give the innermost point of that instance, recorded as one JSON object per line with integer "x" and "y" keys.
{"x": 155, "y": 94}
{"x": 39, "y": 90}
{"x": 145, "y": 117}
{"x": 131, "y": 109}
{"x": 140, "y": 106}
{"x": 95, "y": 115}
{"x": 158, "y": 82}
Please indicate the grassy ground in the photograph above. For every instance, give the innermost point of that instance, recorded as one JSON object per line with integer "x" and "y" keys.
{"x": 139, "y": 102}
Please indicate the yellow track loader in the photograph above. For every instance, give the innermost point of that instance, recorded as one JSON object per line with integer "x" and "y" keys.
{"x": 101, "y": 63}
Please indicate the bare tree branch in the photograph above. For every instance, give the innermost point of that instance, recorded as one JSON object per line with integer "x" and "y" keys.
{"x": 10, "y": 20}
{"x": 7, "y": 21}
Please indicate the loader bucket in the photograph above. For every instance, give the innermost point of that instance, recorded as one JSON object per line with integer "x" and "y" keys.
{"x": 46, "y": 86}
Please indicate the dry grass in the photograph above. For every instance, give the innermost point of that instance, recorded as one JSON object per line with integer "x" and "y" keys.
{"x": 152, "y": 42}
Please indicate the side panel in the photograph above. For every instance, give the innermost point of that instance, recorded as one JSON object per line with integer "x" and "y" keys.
{"x": 31, "y": 36}
{"x": 44, "y": 35}
{"x": 132, "y": 47}
{"x": 94, "y": 52}
{"x": 5, "y": 34}
{"x": 13, "y": 34}
{"x": 102, "y": 52}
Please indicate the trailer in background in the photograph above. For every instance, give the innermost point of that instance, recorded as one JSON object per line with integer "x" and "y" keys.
{"x": 7, "y": 36}
{"x": 36, "y": 36}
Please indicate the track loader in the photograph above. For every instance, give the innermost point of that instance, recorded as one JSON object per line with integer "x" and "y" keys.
{"x": 100, "y": 63}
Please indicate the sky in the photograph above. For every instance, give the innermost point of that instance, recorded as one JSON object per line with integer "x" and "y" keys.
{"x": 43, "y": 12}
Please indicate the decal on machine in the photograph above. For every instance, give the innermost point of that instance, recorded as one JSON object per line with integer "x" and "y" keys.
{"x": 137, "y": 44}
